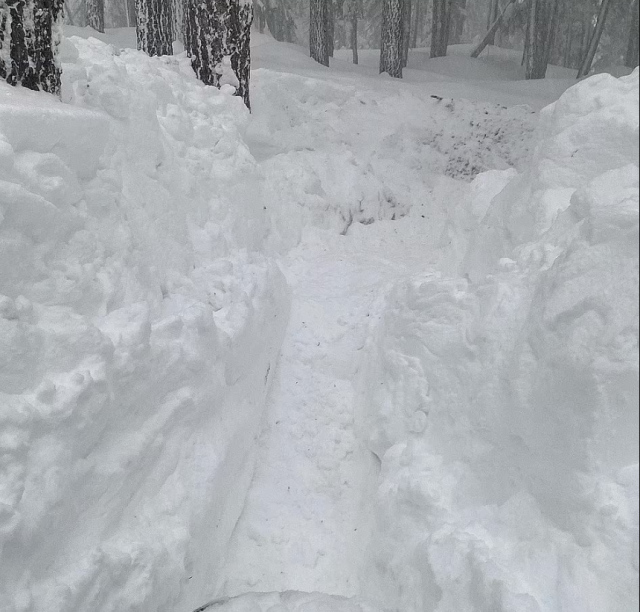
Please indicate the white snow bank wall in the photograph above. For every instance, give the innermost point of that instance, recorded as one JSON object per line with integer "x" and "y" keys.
{"x": 504, "y": 403}
{"x": 138, "y": 328}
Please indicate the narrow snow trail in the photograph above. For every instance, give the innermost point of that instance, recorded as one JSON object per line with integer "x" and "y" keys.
{"x": 304, "y": 526}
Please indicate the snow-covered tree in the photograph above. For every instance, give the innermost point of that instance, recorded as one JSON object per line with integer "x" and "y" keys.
{"x": 94, "y": 10}
{"x": 29, "y": 42}
{"x": 154, "y": 26}
{"x": 217, "y": 36}
{"x": 318, "y": 31}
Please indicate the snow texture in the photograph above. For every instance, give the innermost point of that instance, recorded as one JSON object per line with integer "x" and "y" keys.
{"x": 371, "y": 348}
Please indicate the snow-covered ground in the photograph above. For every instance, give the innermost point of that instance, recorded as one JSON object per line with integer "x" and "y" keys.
{"x": 373, "y": 347}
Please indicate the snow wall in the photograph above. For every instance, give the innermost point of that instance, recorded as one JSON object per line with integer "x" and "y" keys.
{"x": 139, "y": 324}
{"x": 503, "y": 402}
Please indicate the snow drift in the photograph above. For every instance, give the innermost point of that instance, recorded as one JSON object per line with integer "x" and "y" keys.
{"x": 504, "y": 403}
{"x": 138, "y": 323}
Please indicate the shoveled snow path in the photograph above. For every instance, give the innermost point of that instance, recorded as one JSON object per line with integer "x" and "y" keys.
{"x": 304, "y": 526}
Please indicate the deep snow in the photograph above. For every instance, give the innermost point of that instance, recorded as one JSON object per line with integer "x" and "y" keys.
{"x": 367, "y": 342}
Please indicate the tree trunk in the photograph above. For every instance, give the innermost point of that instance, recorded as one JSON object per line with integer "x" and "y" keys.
{"x": 458, "y": 10}
{"x": 318, "y": 35}
{"x": 331, "y": 26}
{"x": 130, "y": 12}
{"x": 492, "y": 30}
{"x": 492, "y": 16}
{"x": 585, "y": 66}
{"x": 28, "y": 46}
{"x": 440, "y": 27}
{"x": 154, "y": 26}
{"x": 94, "y": 10}
{"x": 217, "y": 36}
{"x": 177, "y": 20}
{"x": 354, "y": 37}
{"x": 539, "y": 40}
{"x": 391, "y": 47}
{"x": 631, "y": 55}
{"x": 417, "y": 18}
{"x": 406, "y": 31}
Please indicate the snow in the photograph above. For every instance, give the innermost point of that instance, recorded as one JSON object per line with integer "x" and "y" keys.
{"x": 373, "y": 347}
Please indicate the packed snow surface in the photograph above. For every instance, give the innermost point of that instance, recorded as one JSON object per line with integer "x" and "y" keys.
{"x": 372, "y": 348}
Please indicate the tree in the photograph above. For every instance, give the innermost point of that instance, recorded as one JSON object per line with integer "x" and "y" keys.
{"x": 631, "y": 54}
{"x": 587, "y": 60}
{"x": 94, "y": 10}
{"x": 154, "y": 26}
{"x": 406, "y": 31}
{"x": 539, "y": 37}
{"x": 217, "y": 37}
{"x": 352, "y": 10}
{"x": 28, "y": 49}
{"x": 391, "y": 47}
{"x": 331, "y": 26}
{"x": 490, "y": 35}
{"x": 318, "y": 34}
{"x": 440, "y": 27}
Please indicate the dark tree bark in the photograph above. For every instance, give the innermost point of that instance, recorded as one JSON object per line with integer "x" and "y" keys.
{"x": 440, "y": 27}
{"x": 28, "y": 47}
{"x": 94, "y": 10}
{"x": 539, "y": 40}
{"x": 217, "y": 31}
{"x": 391, "y": 47}
{"x": 492, "y": 15}
{"x": 587, "y": 60}
{"x": 154, "y": 26}
{"x": 318, "y": 35}
{"x": 354, "y": 37}
{"x": 631, "y": 55}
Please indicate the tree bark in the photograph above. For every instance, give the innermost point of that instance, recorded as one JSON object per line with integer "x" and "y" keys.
{"x": 95, "y": 14}
{"x": 318, "y": 35}
{"x": 492, "y": 16}
{"x": 631, "y": 55}
{"x": 217, "y": 38}
{"x": 440, "y": 27}
{"x": 154, "y": 26}
{"x": 539, "y": 39}
{"x": 28, "y": 46}
{"x": 391, "y": 47}
{"x": 406, "y": 31}
{"x": 331, "y": 26}
{"x": 587, "y": 60}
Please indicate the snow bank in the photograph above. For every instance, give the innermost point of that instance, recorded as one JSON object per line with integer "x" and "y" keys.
{"x": 504, "y": 403}
{"x": 139, "y": 325}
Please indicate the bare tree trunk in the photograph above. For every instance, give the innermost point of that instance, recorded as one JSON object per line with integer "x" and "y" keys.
{"x": 177, "y": 20}
{"x": 354, "y": 37}
{"x": 540, "y": 29}
{"x": 391, "y": 47}
{"x": 440, "y": 27}
{"x": 492, "y": 30}
{"x": 458, "y": 9}
{"x": 631, "y": 55}
{"x": 217, "y": 36}
{"x": 94, "y": 10}
{"x": 417, "y": 17}
{"x": 587, "y": 60}
{"x": 331, "y": 26}
{"x": 154, "y": 26}
{"x": 406, "y": 31}
{"x": 318, "y": 35}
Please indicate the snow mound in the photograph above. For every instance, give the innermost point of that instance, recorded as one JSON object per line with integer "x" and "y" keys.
{"x": 139, "y": 324}
{"x": 503, "y": 404}
{"x": 289, "y": 601}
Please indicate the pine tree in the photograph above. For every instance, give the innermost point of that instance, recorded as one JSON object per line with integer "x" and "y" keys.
{"x": 391, "y": 47}
{"x": 28, "y": 43}
{"x": 318, "y": 34}
{"x": 352, "y": 10}
{"x": 217, "y": 36}
{"x": 154, "y": 26}
{"x": 94, "y": 10}
{"x": 587, "y": 60}
{"x": 631, "y": 54}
